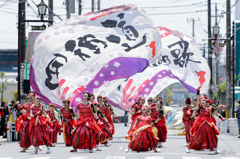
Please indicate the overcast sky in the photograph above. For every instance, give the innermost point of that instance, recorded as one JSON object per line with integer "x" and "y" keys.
{"x": 168, "y": 13}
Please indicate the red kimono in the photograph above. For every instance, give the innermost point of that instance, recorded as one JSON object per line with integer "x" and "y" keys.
{"x": 160, "y": 125}
{"x": 39, "y": 129}
{"x": 67, "y": 125}
{"x": 106, "y": 112}
{"x": 204, "y": 131}
{"x": 55, "y": 126}
{"x": 105, "y": 127}
{"x": 86, "y": 134}
{"x": 143, "y": 137}
{"x": 188, "y": 122}
{"x": 134, "y": 117}
{"x": 23, "y": 124}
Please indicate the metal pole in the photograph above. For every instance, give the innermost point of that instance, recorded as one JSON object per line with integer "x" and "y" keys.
{"x": 217, "y": 59}
{"x": 19, "y": 49}
{"x": 80, "y": 7}
{"x": 233, "y": 66}
{"x": 99, "y": 2}
{"x": 209, "y": 46}
{"x": 204, "y": 50}
{"x": 50, "y": 12}
{"x": 67, "y": 9}
{"x": 193, "y": 27}
{"x": 228, "y": 55}
{"x": 92, "y": 5}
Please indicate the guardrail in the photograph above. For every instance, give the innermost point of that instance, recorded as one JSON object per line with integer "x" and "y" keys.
{"x": 228, "y": 126}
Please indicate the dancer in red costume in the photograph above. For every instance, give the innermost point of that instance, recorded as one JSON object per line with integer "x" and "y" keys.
{"x": 92, "y": 98}
{"x": 135, "y": 112}
{"x": 22, "y": 123}
{"x": 188, "y": 119}
{"x": 38, "y": 126}
{"x": 204, "y": 131}
{"x": 158, "y": 119}
{"x": 209, "y": 105}
{"x": 67, "y": 116}
{"x": 86, "y": 131}
{"x": 53, "y": 117}
{"x": 103, "y": 124}
{"x": 110, "y": 107}
{"x": 107, "y": 112}
{"x": 142, "y": 136}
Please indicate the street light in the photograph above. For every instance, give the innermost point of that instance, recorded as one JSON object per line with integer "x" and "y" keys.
{"x": 42, "y": 7}
{"x": 216, "y": 29}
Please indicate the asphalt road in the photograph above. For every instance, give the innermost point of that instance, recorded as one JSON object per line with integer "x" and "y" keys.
{"x": 174, "y": 148}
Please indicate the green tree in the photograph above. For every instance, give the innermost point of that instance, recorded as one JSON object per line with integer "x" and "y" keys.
{"x": 221, "y": 89}
{"x": 3, "y": 84}
{"x": 15, "y": 95}
{"x": 169, "y": 93}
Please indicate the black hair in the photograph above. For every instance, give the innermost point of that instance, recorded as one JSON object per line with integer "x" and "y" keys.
{"x": 89, "y": 95}
{"x": 188, "y": 100}
{"x": 2, "y": 104}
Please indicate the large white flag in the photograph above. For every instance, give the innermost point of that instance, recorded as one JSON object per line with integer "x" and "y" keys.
{"x": 92, "y": 53}
{"x": 180, "y": 61}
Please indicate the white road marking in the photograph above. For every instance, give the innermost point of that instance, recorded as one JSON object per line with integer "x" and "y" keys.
{"x": 115, "y": 157}
{"x": 154, "y": 157}
{"x": 229, "y": 157}
{"x": 191, "y": 157}
{"x": 40, "y": 157}
{"x": 82, "y": 157}
{"x": 120, "y": 148}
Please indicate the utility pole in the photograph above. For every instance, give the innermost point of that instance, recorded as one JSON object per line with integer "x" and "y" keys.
{"x": 98, "y": 2}
{"x": 92, "y": 5}
{"x": 233, "y": 66}
{"x": 67, "y": 9}
{"x": 193, "y": 25}
{"x": 204, "y": 53}
{"x": 79, "y": 7}
{"x": 217, "y": 56}
{"x": 209, "y": 46}
{"x": 228, "y": 55}
{"x": 21, "y": 42}
{"x": 50, "y": 12}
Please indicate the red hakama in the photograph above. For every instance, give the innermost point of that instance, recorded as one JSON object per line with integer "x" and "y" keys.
{"x": 188, "y": 122}
{"x": 23, "y": 124}
{"x": 105, "y": 127}
{"x": 106, "y": 112}
{"x": 133, "y": 118}
{"x": 204, "y": 132}
{"x": 85, "y": 135}
{"x": 143, "y": 137}
{"x": 55, "y": 126}
{"x": 67, "y": 125}
{"x": 39, "y": 129}
{"x": 160, "y": 125}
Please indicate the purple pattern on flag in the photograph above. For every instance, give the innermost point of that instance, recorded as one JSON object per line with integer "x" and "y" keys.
{"x": 123, "y": 67}
{"x": 153, "y": 81}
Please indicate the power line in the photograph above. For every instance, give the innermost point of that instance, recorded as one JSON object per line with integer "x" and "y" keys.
{"x": 7, "y": 29}
{"x": 234, "y": 4}
{"x": 179, "y": 12}
{"x": 4, "y": 3}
